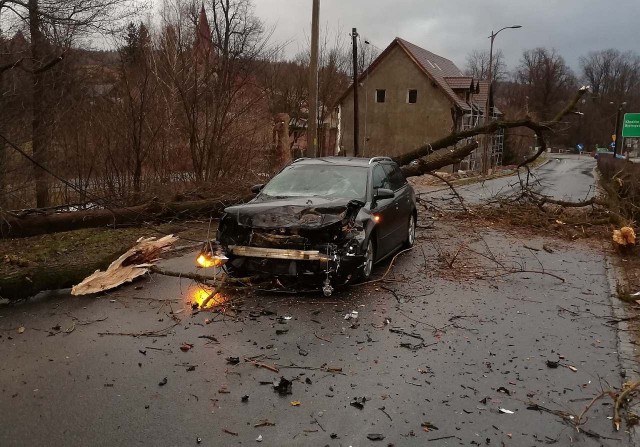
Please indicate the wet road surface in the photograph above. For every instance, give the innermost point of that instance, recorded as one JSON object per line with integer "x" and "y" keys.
{"x": 563, "y": 177}
{"x": 474, "y": 346}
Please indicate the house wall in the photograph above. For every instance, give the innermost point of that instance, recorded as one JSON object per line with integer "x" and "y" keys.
{"x": 395, "y": 127}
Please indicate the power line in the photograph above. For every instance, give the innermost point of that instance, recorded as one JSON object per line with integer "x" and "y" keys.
{"x": 95, "y": 198}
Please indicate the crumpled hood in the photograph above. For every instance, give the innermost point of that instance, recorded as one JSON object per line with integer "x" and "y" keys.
{"x": 295, "y": 212}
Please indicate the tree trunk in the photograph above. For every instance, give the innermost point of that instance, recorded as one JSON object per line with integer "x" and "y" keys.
{"x": 12, "y": 226}
{"x": 282, "y": 153}
{"x": 3, "y": 170}
{"x": 28, "y": 281}
{"x": 38, "y": 124}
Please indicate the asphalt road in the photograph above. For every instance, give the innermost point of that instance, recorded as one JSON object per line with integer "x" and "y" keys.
{"x": 563, "y": 177}
{"x": 436, "y": 352}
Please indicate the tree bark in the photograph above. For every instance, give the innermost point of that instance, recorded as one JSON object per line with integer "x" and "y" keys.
{"x": 12, "y": 226}
{"x": 28, "y": 281}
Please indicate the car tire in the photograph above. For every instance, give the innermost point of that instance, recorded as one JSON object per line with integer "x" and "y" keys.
{"x": 411, "y": 232}
{"x": 370, "y": 257}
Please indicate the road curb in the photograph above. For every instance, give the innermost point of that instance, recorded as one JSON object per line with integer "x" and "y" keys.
{"x": 626, "y": 349}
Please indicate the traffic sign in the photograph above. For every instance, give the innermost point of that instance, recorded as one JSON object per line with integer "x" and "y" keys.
{"x": 613, "y": 137}
{"x": 631, "y": 125}
{"x": 580, "y": 147}
{"x": 612, "y": 145}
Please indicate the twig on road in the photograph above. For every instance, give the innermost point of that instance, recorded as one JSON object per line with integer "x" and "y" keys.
{"x": 158, "y": 333}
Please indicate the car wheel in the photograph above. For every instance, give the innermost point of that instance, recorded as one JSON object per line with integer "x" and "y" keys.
{"x": 369, "y": 258}
{"x": 411, "y": 232}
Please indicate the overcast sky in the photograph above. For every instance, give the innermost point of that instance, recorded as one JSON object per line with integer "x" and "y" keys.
{"x": 452, "y": 28}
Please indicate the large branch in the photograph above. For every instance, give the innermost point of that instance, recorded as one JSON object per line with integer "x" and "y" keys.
{"x": 432, "y": 156}
{"x": 438, "y": 159}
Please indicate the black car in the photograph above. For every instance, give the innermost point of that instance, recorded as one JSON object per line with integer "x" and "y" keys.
{"x": 327, "y": 219}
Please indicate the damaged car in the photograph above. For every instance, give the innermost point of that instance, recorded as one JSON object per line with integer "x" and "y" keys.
{"x": 320, "y": 222}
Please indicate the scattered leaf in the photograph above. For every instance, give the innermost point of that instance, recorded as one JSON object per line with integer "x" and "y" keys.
{"x": 428, "y": 426}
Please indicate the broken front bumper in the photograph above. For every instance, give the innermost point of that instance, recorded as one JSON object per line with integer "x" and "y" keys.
{"x": 326, "y": 265}
{"x": 278, "y": 253}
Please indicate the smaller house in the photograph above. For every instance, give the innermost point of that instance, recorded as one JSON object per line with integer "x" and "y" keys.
{"x": 408, "y": 97}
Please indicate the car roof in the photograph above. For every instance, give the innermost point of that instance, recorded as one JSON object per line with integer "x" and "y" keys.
{"x": 341, "y": 161}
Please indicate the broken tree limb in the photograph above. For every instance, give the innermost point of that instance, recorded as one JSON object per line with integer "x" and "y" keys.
{"x": 197, "y": 277}
{"x": 434, "y": 155}
{"x": 436, "y": 160}
{"x": 134, "y": 263}
{"x": 620, "y": 401}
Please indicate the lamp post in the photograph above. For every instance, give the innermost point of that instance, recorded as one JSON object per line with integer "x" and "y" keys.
{"x": 486, "y": 158}
{"x": 616, "y": 139}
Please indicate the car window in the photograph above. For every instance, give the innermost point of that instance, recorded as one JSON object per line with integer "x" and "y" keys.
{"x": 318, "y": 180}
{"x": 396, "y": 177}
{"x": 380, "y": 179}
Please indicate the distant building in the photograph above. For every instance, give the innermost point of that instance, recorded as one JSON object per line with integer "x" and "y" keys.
{"x": 409, "y": 97}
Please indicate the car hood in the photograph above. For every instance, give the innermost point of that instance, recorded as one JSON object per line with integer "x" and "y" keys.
{"x": 294, "y": 212}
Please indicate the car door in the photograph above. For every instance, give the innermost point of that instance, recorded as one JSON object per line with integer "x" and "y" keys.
{"x": 401, "y": 204}
{"x": 384, "y": 209}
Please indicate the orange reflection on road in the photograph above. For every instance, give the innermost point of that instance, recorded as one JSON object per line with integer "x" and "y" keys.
{"x": 207, "y": 298}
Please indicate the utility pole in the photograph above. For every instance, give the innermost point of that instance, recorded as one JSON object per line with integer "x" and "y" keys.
{"x": 617, "y": 134}
{"x": 312, "y": 121}
{"x": 356, "y": 122}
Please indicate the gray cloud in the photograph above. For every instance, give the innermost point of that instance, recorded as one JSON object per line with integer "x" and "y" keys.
{"x": 452, "y": 28}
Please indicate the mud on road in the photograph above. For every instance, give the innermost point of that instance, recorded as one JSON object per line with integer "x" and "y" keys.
{"x": 433, "y": 357}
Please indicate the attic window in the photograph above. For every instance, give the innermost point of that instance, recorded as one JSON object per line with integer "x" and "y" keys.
{"x": 381, "y": 95}
{"x": 412, "y": 96}
{"x": 438, "y": 67}
{"x": 431, "y": 63}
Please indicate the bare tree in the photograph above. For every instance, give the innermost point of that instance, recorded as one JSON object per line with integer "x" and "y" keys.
{"x": 547, "y": 79}
{"x": 213, "y": 75}
{"x": 615, "y": 77}
{"x": 52, "y": 26}
{"x": 141, "y": 120}
{"x": 612, "y": 72}
{"x": 477, "y": 65}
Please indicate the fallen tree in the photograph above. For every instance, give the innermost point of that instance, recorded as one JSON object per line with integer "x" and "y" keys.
{"x": 14, "y": 225}
{"x": 433, "y": 156}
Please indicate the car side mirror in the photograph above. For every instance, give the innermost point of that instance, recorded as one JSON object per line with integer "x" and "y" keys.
{"x": 257, "y": 188}
{"x": 383, "y": 193}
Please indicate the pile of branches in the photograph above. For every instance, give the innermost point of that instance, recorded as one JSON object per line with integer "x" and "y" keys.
{"x": 621, "y": 181}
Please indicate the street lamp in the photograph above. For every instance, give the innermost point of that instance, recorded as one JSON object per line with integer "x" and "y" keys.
{"x": 493, "y": 35}
{"x": 616, "y": 139}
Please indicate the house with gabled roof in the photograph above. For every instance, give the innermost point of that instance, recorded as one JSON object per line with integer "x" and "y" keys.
{"x": 408, "y": 97}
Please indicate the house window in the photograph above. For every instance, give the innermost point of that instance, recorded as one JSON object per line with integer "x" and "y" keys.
{"x": 381, "y": 95}
{"x": 412, "y": 96}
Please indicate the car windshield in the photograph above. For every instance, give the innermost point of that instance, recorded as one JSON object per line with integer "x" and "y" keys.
{"x": 330, "y": 181}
